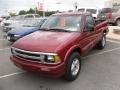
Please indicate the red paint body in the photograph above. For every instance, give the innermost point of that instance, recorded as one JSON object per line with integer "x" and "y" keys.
{"x": 62, "y": 43}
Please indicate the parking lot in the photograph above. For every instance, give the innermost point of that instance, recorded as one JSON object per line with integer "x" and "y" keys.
{"x": 100, "y": 70}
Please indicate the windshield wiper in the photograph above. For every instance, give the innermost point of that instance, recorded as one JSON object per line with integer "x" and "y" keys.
{"x": 59, "y": 29}
{"x": 44, "y": 29}
{"x": 54, "y": 29}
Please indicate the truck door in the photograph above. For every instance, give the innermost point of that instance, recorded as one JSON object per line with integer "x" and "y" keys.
{"x": 88, "y": 34}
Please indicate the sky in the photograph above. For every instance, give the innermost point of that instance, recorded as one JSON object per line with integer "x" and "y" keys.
{"x": 17, "y": 5}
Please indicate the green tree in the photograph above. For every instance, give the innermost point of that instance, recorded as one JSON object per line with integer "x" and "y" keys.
{"x": 31, "y": 11}
{"x": 22, "y": 12}
{"x": 12, "y": 14}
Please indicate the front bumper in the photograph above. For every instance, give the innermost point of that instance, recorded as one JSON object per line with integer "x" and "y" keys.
{"x": 38, "y": 68}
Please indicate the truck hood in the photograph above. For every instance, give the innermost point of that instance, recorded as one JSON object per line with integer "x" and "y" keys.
{"x": 44, "y": 41}
{"x": 23, "y": 30}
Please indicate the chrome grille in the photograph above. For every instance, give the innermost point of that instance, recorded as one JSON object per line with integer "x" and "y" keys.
{"x": 38, "y": 57}
{"x": 27, "y": 55}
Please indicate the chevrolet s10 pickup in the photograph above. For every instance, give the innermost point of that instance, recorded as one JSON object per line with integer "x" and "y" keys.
{"x": 56, "y": 49}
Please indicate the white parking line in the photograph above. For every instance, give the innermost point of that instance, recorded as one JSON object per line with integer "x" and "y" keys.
{"x": 12, "y": 74}
{"x": 4, "y": 49}
{"x": 107, "y": 51}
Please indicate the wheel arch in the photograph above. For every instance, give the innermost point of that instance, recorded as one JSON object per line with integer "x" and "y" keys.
{"x": 71, "y": 50}
{"x": 117, "y": 19}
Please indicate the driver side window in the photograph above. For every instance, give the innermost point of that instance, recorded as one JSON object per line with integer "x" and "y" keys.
{"x": 89, "y": 23}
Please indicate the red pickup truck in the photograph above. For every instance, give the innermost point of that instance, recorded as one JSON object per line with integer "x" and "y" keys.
{"x": 56, "y": 49}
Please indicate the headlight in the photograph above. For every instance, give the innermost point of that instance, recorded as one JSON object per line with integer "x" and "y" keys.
{"x": 52, "y": 59}
{"x": 16, "y": 35}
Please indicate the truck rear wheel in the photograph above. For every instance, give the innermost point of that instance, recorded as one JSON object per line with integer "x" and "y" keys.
{"x": 73, "y": 67}
{"x": 102, "y": 43}
{"x": 118, "y": 22}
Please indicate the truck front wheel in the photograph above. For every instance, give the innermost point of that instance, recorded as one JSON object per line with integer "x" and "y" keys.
{"x": 102, "y": 43}
{"x": 73, "y": 67}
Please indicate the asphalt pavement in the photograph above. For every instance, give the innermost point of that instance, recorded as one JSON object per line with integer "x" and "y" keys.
{"x": 100, "y": 71}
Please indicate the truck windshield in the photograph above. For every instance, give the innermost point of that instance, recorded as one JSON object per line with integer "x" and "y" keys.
{"x": 69, "y": 23}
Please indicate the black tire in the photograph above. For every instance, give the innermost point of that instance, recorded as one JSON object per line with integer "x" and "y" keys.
{"x": 117, "y": 22}
{"x": 69, "y": 73}
{"x": 102, "y": 43}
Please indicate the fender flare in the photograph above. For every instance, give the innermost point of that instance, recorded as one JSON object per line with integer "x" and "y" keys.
{"x": 75, "y": 47}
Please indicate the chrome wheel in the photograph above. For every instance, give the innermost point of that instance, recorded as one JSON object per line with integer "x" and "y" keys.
{"x": 118, "y": 22}
{"x": 103, "y": 41}
{"x": 75, "y": 67}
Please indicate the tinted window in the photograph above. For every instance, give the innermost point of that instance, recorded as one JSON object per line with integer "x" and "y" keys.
{"x": 106, "y": 10}
{"x": 89, "y": 21}
{"x": 81, "y": 10}
{"x": 92, "y": 11}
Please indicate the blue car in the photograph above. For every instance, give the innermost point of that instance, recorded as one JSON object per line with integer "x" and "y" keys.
{"x": 28, "y": 27}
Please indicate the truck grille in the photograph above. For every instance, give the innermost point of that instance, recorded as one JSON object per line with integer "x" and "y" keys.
{"x": 27, "y": 55}
{"x": 38, "y": 57}
{"x": 10, "y": 35}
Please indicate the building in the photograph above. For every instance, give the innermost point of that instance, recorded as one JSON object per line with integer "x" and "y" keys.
{"x": 111, "y": 3}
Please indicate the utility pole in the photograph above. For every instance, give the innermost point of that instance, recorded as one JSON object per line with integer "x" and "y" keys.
{"x": 75, "y": 6}
{"x": 43, "y": 8}
{"x": 58, "y": 3}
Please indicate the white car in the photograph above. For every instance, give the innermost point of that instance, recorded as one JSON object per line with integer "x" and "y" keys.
{"x": 1, "y": 19}
{"x": 17, "y": 19}
{"x": 94, "y": 12}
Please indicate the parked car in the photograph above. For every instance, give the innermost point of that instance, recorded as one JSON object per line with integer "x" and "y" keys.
{"x": 111, "y": 14}
{"x": 56, "y": 49}
{"x": 4, "y": 17}
{"x": 94, "y": 12}
{"x": 1, "y": 19}
{"x": 115, "y": 16}
{"x": 12, "y": 20}
{"x": 105, "y": 14}
{"x": 13, "y": 26}
{"x": 29, "y": 26}
{"x": 17, "y": 19}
